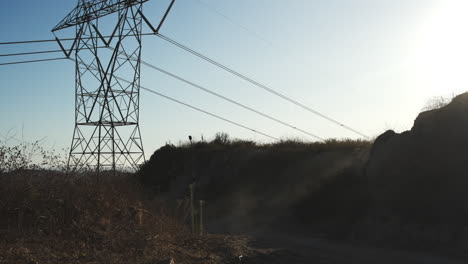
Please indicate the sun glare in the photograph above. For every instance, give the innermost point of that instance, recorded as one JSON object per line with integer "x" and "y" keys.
{"x": 441, "y": 49}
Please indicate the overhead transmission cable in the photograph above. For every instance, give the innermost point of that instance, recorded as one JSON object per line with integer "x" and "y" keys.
{"x": 67, "y": 39}
{"x": 203, "y": 111}
{"x": 40, "y": 52}
{"x": 31, "y": 61}
{"x": 264, "y": 87}
{"x": 229, "y": 100}
{"x": 232, "y": 21}
{"x": 30, "y": 53}
{"x": 172, "y": 75}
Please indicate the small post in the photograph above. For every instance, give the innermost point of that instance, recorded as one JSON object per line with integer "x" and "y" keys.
{"x": 202, "y": 229}
{"x": 192, "y": 206}
{"x": 139, "y": 215}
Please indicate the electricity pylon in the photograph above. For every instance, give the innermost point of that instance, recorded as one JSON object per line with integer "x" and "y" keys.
{"x": 107, "y": 48}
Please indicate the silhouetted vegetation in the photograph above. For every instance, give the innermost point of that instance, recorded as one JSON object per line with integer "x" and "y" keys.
{"x": 48, "y": 216}
{"x": 170, "y": 161}
{"x": 277, "y": 184}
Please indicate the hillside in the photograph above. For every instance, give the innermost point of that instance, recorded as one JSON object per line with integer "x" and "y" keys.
{"x": 418, "y": 179}
{"x": 406, "y": 190}
{"x": 253, "y": 187}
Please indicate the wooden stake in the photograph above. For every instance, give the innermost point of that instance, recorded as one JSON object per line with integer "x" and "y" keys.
{"x": 192, "y": 205}
{"x": 202, "y": 228}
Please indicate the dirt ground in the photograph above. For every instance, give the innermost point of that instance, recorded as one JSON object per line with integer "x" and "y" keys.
{"x": 302, "y": 249}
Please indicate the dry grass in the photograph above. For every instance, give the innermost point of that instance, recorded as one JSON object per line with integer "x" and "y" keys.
{"x": 49, "y": 217}
{"x": 222, "y": 140}
{"x": 171, "y": 162}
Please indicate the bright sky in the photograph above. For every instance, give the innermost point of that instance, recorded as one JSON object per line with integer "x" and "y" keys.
{"x": 369, "y": 64}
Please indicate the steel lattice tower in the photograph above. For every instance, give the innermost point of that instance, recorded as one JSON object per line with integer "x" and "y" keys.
{"x": 107, "y": 133}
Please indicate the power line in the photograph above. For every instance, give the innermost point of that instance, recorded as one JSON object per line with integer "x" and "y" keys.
{"x": 264, "y": 87}
{"x": 232, "y": 21}
{"x": 201, "y": 110}
{"x": 39, "y": 52}
{"x": 67, "y": 39}
{"x": 27, "y": 42}
{"x": 228, "y": 99}
{"x": 31, "y": 61}
{"x": 29, "y": 53}
{"x": 154, "y": 67}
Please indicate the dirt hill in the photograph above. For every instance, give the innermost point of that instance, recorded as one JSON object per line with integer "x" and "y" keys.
{"x": 425, "y": 168}
{"x": 418, "y": 179}
{"x": 249, "y": 186}
{"x": 406, "y": 189}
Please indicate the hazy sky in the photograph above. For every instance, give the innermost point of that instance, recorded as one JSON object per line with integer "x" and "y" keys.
{"x": 371, "y": 64}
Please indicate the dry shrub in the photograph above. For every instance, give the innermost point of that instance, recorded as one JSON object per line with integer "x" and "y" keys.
{"x": 48, "y": 216}
{"x": 76, "y": 205}
{"x": 51, "y": 217}
{"x": 436, "y": 102}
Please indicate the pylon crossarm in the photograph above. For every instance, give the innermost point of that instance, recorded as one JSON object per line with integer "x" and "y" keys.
{"x": 89, "y": 10}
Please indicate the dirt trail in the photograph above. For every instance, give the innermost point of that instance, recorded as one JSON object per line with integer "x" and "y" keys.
{"x": 298, "y": 250}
